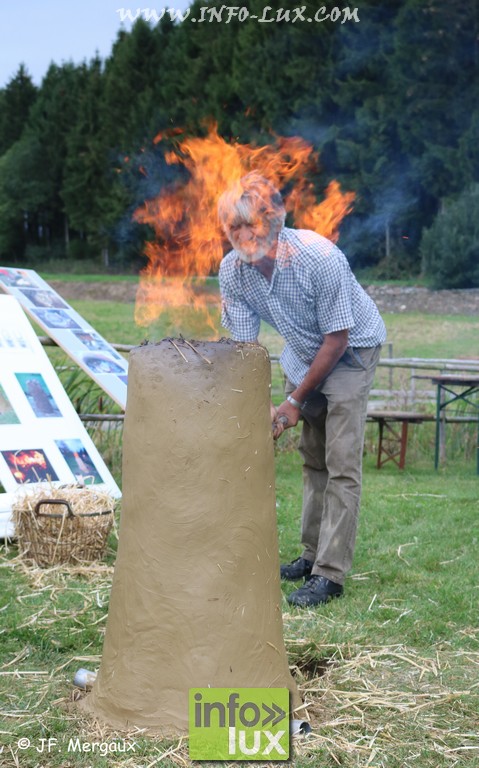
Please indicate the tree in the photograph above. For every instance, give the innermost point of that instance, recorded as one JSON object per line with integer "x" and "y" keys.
{"x": 435, "y": 75}
{"x": 24, "y": 187}
{"x": 51, "y": 120}
{"x": 131, "y": 74}
{"x": 450, "y": 247}
{"x": 363, "y": 149}
{"x": 87, "y": 186}
{"x": 17, "y": 99}
{"x": 194, "y": 82}
{"x": 280, "y": 72}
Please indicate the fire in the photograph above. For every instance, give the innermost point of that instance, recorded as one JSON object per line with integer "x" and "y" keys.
{"x": 25, "y": 462}
{"x": 189, "y": 244}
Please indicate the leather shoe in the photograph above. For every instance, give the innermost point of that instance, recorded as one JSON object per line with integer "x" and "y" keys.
{"x": 298, "y": 569}
{"x": 315, "y": 591}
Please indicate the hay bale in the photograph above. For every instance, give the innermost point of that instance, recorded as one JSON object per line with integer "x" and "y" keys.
{"x": 65, "y": 524}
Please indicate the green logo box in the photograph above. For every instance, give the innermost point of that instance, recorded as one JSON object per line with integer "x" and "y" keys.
{"x": 239, "y": 724}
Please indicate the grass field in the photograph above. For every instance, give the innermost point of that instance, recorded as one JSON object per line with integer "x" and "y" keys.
{"x": 390, "y": 673}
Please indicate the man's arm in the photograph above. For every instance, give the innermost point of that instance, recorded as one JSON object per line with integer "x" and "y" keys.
{"x": 332, "y": 349}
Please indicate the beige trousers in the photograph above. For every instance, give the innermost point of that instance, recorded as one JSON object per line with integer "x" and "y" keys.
{"x": 331, "y": 446}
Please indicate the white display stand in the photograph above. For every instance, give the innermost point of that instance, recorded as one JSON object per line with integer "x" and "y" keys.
{"x": 42, "y": 439}
{"x": 70, "y": 331}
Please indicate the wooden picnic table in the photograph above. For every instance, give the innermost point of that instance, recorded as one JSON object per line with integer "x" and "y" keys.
{"x": 452, "y": 389}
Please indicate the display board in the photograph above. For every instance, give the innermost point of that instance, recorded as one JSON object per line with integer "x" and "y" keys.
{"x": 42, "y": 439}
{"x": 70, "y": 331}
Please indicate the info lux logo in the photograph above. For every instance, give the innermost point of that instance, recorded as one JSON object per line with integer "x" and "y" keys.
{"x": 239, "y": 724}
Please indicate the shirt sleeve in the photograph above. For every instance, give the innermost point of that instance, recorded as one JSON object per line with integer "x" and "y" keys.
{"x": 333, "y": 288}
{"x": 236, "y": 315}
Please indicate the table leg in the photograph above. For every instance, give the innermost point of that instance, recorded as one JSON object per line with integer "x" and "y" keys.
{"x": 380, "y": 445}
{"x": 438, "y": 426}
{"x": 402, "y": 455}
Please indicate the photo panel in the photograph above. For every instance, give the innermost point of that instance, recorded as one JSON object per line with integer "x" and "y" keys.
{"x": 67, "y": 328}
{"x": 42, "y": 439}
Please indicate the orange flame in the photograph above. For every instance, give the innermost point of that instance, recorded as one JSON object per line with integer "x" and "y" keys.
{"x": 189, "y": 243}
{"x": 22, "y": 462}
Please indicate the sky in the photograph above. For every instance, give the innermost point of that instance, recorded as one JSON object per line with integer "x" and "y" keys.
{"x": 37, "y": 32}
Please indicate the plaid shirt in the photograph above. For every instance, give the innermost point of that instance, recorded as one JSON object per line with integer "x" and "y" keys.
{"x": 312, "y": 292}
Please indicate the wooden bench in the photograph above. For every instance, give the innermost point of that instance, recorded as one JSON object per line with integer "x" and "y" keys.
{"x": 393, "y": 431}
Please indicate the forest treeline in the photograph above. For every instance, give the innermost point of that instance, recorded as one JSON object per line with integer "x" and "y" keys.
{"x": 389, "y": 99}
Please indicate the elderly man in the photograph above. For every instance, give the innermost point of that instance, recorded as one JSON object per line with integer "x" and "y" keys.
{"x": 301, "y": 284}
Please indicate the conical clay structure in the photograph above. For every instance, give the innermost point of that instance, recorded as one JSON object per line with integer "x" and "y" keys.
{"x": 196, "y": 598}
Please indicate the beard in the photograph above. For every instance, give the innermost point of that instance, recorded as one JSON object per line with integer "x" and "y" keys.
{"x": 256, "y": 249}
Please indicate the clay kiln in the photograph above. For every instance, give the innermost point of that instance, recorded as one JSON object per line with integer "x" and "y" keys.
{"x": 196, "y": 597}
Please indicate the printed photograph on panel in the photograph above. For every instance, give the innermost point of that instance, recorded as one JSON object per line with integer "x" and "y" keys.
{"x": 14, "y": 278}
{"x": 42, "y": 298}
{"x": 97, "y": 364}
{"x": 79, "y": 461}
{"x": 7, "y": 411}
{"x": 55, "y": 318}
{"x": 29, "y": 465}
{"x": 38, "y": 395}
{"x": 95, "y": 343}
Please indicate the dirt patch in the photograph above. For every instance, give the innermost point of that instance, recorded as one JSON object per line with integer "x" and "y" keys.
{"x": 388, "y": 298}
{"x": 101, "y": 291}
{"x": 413, "y": 299}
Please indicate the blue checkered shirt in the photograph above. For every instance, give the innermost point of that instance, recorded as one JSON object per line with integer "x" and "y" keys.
{"x": 312, "y": 292}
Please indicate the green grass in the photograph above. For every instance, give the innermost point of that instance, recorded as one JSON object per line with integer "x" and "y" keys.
{"x": 433, "y": 336}
{"x": 390, "y": 672}
{"x": 411, "y": 552}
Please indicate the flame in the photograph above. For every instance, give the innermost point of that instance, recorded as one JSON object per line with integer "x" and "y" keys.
{"x": 23, "y": 462}
{"x": 188, "y": 243}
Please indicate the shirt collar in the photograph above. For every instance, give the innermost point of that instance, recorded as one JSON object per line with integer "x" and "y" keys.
{"x": 283, "y": 251}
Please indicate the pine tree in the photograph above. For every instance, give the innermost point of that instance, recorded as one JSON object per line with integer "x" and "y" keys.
{"x": 86, "y": 189}
{"x": 17, "y": 99}
{"x": 365, "y": 150}
{"x": 450, "y": 247}
{"x": 435, "y": 68}
{"x": 131, "y": 73}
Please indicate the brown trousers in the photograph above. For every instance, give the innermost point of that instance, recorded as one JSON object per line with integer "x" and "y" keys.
{"x": 331, "y": 446}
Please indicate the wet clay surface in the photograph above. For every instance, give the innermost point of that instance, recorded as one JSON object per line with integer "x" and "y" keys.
{"x": 196, "y": 598}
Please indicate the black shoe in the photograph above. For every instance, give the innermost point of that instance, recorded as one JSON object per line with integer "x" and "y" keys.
{"x": 298, "y": 569}
{"x": 317, "y": 590}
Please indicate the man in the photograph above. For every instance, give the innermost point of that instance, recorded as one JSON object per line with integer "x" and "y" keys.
{"x": 301, "y": 284}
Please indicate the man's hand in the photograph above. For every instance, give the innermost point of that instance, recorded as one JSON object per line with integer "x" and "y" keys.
{"x": 279, "y": 426}
{"x": 286, "y": 416}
